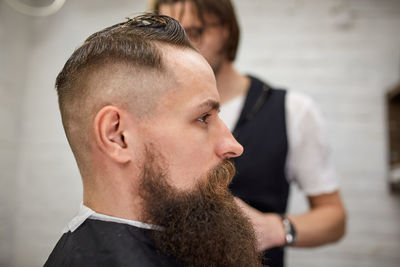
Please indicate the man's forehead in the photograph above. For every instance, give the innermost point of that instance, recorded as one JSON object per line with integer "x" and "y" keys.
{"x": 192, "y": 76}
{"x": 188, "y": 60}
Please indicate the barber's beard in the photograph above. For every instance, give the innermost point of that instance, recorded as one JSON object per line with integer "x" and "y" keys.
{"x": 219, "y": 60}
{"x": 217, "y": 67}
{"x": 202, "y": 227}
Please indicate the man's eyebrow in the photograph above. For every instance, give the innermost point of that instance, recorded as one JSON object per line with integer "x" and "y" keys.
{"x": 211, "y": 104}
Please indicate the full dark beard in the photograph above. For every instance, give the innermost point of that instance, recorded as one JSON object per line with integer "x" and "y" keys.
{"x": 202, "y": 227}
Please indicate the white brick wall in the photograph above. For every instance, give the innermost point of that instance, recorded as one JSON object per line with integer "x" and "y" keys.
{"x": 345, "y": 54}
{"x": 12, "y": 84}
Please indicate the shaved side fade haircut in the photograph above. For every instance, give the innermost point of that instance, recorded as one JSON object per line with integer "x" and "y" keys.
{"x": 222, "y": 9}
{"x": 126, "y": 51}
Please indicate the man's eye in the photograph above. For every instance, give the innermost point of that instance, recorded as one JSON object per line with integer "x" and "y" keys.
{"x": 204, "y": 118}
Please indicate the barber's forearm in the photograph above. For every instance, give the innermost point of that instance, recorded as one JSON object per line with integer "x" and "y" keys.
{"x": 319, "y": 226}
{"x": 324, "y": 223}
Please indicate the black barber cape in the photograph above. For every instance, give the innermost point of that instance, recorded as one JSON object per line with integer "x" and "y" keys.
{"x": 100, "y": 243}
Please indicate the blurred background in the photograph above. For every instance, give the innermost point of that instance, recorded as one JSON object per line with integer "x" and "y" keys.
{"x": 343, "y": 53}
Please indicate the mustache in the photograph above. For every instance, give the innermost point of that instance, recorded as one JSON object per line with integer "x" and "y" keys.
{"x": 222, "y": 174}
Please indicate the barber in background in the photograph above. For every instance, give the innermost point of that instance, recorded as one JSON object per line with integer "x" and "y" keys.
{"x": 281, "y": 132}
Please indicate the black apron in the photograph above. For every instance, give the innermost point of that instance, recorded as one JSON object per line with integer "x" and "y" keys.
{"x": 99, "y": 243}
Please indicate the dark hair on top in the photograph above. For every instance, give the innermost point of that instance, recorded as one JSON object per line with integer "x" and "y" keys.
{"x": 132, "y": 42}
{"x": 222, "y": 9}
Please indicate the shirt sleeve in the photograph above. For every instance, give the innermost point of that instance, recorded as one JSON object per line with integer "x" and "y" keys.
{"x": 309, "y": 162}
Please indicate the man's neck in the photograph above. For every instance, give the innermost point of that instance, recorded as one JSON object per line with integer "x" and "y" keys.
{"x": 230, "y": 82}
{"x": 113, "y": 201}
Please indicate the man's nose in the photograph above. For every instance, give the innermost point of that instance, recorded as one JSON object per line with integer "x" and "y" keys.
{"x": 228, "y": 147}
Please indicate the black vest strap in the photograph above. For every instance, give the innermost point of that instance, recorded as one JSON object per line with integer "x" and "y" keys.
{"x": 254, "y": 101}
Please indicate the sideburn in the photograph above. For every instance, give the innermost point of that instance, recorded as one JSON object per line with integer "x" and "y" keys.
{"x": 202, "y": 227}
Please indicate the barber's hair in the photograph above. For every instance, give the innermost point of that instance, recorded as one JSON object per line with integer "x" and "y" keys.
{"x": 135, "y": 43}
{"x": 222, "y": 9}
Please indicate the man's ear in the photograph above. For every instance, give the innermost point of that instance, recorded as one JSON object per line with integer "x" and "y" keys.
{"x": 110, "y": 130}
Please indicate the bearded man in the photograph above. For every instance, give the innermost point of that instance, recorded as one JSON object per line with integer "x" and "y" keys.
{"x": 139, "y": 106}
{"x": 282, "y": 132}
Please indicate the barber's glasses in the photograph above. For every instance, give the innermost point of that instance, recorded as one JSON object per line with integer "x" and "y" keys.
{"x": 195, "y": 34}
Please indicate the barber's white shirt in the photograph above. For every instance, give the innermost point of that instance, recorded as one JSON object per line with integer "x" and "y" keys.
{"x": 308, "y": 161}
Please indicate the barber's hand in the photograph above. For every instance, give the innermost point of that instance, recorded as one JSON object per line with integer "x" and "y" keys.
{"x": 268, "y": 227}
